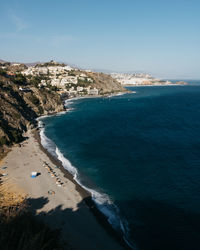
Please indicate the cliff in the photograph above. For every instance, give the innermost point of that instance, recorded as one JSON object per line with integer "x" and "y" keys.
{"x": 18, "y": 109}
{"x": 105, "y": 83}
{"x": 23, "y": 99}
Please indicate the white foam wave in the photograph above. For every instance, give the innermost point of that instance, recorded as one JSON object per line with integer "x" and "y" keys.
{"x": 70, "y": 101}
{"x": 61, "y": 113}
{"x": 48, "y": 144}
{"x": 102, "y": 200}
{"x": 40, "y": 124}
{"x": 66, "y": 163}
{"x": 42, "y": 117}
{"x": 120, "y": 94}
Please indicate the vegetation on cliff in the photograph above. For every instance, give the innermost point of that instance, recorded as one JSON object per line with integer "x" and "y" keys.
{"x": 23, "y": 97}
{"x": 105, "y": 83}
{"x": 20, "y": 104}
{"x": 18, "y": 109}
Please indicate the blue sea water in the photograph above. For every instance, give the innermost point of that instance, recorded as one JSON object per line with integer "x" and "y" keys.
{"x": 140, "y": 154}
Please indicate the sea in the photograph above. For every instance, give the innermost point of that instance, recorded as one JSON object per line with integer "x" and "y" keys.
{"x": 138, "y": 154}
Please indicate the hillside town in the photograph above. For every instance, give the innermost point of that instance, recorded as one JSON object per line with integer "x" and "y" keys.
{"x": 72, "y": 82}
{"x": 66, "y": 79}
{"x": 61, "y": 78}
{"x": 138, "y": 79}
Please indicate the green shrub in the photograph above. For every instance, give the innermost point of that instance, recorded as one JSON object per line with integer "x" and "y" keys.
{"x": 36, "y": 80}
{"x": 52, "y": 88}
{"x": 16, "y": 136}
{"x": 40, "y": 109}
{"x": 83, "y": 83}
{"x": 3, "y": 140}
{"x": 16, "y": 115}
{"x": 19, "y": 79}
{"x": 71, "y": 73}
{"x": 3, "y": 72}
{"x": 34, "y": 100}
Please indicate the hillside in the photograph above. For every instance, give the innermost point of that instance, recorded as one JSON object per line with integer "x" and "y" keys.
{"x": 19, "y": 109}
{"x": 105, "y": 83}
{"x": 25, "y": 96}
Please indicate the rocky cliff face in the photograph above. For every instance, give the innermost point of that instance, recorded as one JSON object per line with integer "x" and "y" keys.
{"x": 18, "y": 109}
{"x": 105, "y": 83}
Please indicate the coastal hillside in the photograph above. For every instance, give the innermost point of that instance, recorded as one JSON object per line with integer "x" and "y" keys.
{"x": 18, "y": 109}
{"x": 105, "y": 83}
{"x": 72, "y": 82}
{"x": 25, "y": 94}
{"x": 29, "y": 92}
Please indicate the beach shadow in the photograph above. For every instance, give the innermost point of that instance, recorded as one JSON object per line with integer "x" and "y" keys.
{"x": 69, "y": 220}
{"x": 35, "y": 204}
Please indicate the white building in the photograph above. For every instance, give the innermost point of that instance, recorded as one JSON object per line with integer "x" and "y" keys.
{"x": 72, "y": 79}
{"x": 83, "y": 75}
{"x": 79, "y": 89}
{"x": 93, "y": 91}
{"x": 89, "y": 79}
{"x": 41, "y": 69}
{"x": 43, "y": 82}
{"x": 55, "y": 82}
{"x": 64, "y": 81}
{"x": 81, "y": 78}
{"x": 132, "y": 79}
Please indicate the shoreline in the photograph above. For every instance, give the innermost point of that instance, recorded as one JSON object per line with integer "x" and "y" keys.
{"x": 85, "y": 196}
{"x": 70, "y": 209}
{"x": 101, "y": 218}
{"x": 153, "y": 85}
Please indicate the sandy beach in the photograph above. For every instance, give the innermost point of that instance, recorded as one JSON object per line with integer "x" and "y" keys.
{"x": 55, "y": 198}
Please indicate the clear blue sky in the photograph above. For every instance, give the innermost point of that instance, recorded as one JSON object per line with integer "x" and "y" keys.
{"x": 157, "y": 36}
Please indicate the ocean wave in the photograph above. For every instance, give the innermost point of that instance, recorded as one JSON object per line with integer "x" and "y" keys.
{"x": 70, "y": 101}
{"x": 47, "y": 143}
{"x": 61, "y": 113}
{"x": 102, "y": 200}
{"x": 66, "y": 163}
{"x": 117, "y": 94}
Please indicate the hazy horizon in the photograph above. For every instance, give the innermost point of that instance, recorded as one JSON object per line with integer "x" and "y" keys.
{"x": 160, "y": 38}
{"x": 104, "y": 70}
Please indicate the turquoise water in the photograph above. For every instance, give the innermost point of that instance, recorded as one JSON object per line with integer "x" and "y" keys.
{"x": 140, "y": 152}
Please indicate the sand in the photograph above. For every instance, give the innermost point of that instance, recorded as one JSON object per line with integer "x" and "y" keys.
{"x": 64, "y": 208}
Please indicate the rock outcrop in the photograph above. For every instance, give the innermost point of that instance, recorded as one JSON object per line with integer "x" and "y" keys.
{"x": 18, "y": 109}
{"x": 105, "y": 83}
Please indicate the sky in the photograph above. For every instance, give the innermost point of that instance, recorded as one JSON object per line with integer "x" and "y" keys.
{"x": 161, "y": 37}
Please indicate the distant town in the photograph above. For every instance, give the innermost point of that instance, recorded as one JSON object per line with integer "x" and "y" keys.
{"x": 137, "y": 79}
{"x": 73, "y": 82}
